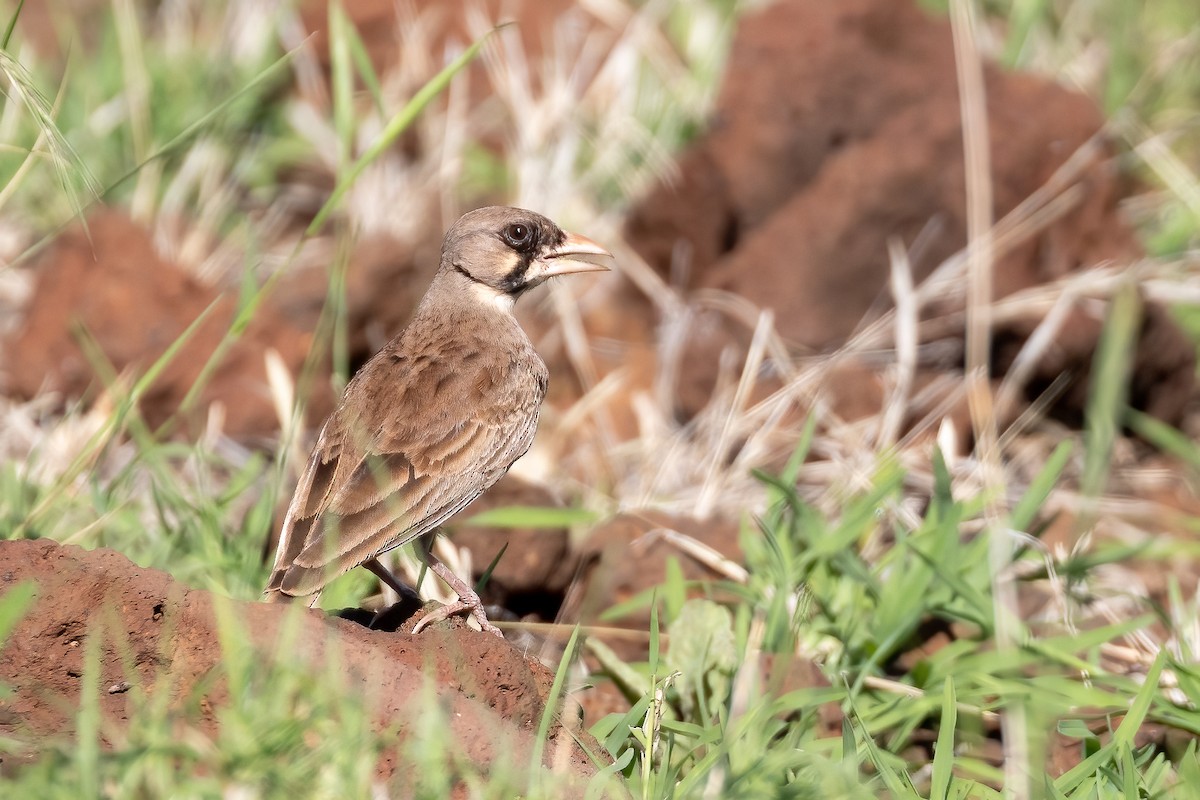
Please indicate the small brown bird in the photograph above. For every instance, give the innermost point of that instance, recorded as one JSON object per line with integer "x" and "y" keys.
{"x": 435, "y": 417}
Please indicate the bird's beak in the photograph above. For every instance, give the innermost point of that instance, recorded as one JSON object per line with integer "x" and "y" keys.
{"x": 575, "y": 254}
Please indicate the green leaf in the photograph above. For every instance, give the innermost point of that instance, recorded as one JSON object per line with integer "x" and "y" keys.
{"x": 12, "y": 24}
{"x": 943, "y": 756}
{"x": 553, "y": 699}
{"x": 1075, "y": 729}
{"x": 1023, "y": 513}
{"x": 13, "y": 605}
{"x": 341, "y": 78}
{"x": 849, "y": 745}
{"x": 704, "y": 650}
{"x": 1140, "y": 707}
{"x": 1163, "y": 436}
{"x": 529, "y": 517}
{"x": 1109, "y": 386}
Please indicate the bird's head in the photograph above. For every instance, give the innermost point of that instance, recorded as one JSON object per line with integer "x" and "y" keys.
{"x": 506, "y": 251}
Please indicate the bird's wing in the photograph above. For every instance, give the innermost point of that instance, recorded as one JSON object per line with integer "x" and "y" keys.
{"x": 390, "y": 473}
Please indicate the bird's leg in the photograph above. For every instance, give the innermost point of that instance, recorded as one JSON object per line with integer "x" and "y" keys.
{"x": 407, "y": 593}
{"x": 468, "y": 600}
{"x": 385, "y": 576}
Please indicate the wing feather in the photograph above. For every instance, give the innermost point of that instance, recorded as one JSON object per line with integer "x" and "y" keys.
{"x": 388, "y": 470}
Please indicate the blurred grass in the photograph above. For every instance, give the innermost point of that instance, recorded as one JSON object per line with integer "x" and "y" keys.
{"x": 120, "y": 99}
{"x": 1141, "y": 63}
{"x": 712, "y": 714}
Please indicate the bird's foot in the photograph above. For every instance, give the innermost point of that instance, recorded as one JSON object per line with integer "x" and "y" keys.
{"x": 467, "y": 603}
{"x": 468, "y": 598}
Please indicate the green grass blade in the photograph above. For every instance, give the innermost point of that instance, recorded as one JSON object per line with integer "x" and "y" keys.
{"x": 13, "y": 604}
{"x": 1027, "y": 507}
{"x": 1163, "y": 436}
{"x": 943, "y": 756}
{"x": 114, "y": 422}
{"x": 849, "y": 745}
{"x": 487, "y": 573}
{"x": 12, "y": 25}
{"x": 791, "y": 470}
{"x": 1109, "y": 387}
{"x": 1127, "y": 730}
{"x": 654, "y": 660}
{"x": 631, "y": 681}
{"x": 1128, "y": 771}
{"x": 87, "y": 751}
{"x": 362, "y": 63}
{"x": 396, "y": 126}
{"x": 529, "y": 517}
{"x": 551, "y": 709}
{"x": 897, "y": 781}
{"x": 241, "y": 321}
{"x": 341, "y": 78}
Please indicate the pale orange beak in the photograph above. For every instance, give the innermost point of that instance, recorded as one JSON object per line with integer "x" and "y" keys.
{"x": 576, "y": 254}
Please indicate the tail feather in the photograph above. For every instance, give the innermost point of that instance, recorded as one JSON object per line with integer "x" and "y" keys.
{"x": 280, "y": 596}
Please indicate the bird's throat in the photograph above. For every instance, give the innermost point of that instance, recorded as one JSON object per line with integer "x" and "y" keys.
{"x": 491, "y": 298}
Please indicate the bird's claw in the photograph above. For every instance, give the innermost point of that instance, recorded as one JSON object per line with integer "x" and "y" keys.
{"x": 473, "y": 605}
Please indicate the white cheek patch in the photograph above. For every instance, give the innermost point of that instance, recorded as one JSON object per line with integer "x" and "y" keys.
{"x": 488, "y": 296}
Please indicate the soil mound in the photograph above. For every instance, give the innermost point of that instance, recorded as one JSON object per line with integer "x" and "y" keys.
{"x": 162, "y": 636}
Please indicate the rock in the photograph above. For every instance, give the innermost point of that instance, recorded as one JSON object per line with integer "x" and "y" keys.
{"x": 158, "y": 633}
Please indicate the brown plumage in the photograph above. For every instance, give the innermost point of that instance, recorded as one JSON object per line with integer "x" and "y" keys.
{"x": 434, "y": 418}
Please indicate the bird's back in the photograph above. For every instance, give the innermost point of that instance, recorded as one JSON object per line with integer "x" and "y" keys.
{"x": 425, "y": 427}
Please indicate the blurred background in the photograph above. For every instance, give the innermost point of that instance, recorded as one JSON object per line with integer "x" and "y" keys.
{"x": 772, "y": 176}
{"x": 847, "y": 234}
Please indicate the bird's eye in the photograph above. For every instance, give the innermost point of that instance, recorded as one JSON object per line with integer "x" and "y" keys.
{"x": 519, "y": 236}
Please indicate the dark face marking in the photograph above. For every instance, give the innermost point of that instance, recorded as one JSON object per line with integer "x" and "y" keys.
{"x": 527, "y": 239}
{"x": 522, "y": 238}
{"x": 497, "y": 247}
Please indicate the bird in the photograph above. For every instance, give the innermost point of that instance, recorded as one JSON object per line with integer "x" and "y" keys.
{"x": 433, "y": 419}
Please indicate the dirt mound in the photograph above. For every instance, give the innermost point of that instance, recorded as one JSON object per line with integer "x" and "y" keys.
{"x": 166, "y": 634}
{"x": 108, "y": 284}
{"x": 851, "y": 137}
{"x": 837, "y": 130}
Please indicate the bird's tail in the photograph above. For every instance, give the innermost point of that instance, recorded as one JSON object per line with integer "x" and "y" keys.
{"x": 278, "y": 596}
